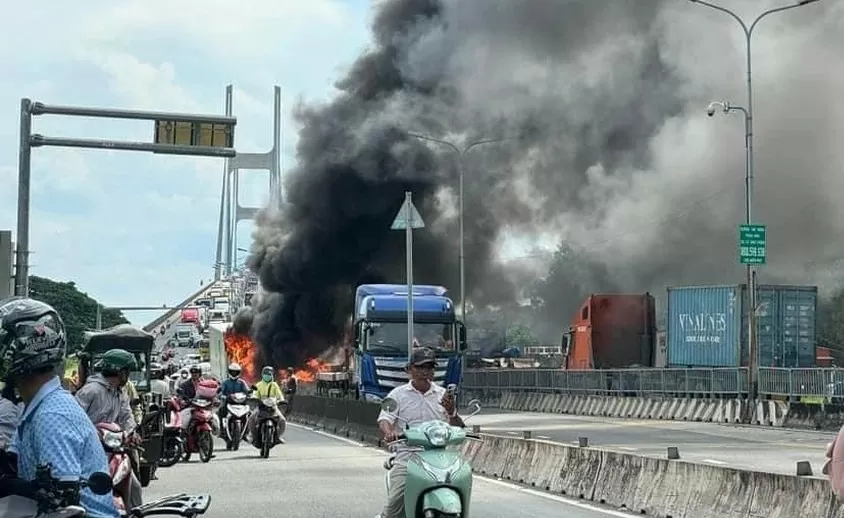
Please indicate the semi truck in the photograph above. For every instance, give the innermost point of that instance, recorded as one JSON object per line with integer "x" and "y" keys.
{"x": 611, "y": 331}
{"x": 376, "y": 362}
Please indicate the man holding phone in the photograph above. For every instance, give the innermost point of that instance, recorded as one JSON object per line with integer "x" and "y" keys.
{"x": 419, "y": 401}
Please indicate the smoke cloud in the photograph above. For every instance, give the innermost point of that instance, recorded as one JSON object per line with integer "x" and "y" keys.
{"x": 242, "y": 321}
{"x": 608, "y": 149}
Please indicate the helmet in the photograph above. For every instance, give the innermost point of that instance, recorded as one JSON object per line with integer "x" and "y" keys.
{"x": 116, "y": 360}
{"x": 195, "y": 369}
{"x": 156, "y": 370}
{"x": 267, "y": 370}
{"x": 32, "y": 337}
{"x": 234, "y": 370}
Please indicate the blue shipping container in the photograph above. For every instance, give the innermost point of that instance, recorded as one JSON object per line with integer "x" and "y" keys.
{"x": 707, "y": 326}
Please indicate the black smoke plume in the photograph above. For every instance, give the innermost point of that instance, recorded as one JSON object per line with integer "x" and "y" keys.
{"x": 608, "y": 149}
{"x": 242, "y": 321}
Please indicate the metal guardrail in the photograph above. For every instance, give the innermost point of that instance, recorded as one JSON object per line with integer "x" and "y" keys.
{"x": 817, "y": 382}
{"x": 779, "y": 382}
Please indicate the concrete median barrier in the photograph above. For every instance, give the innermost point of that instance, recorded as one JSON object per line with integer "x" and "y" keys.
{"x": 651, "y": 486}
{"x": 348, "y": 418}
{"x": 648, "y": 486}
{"x": 664, "y": 408}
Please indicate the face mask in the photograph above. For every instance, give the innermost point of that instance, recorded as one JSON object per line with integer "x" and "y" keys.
{"x": 267, "y": 378}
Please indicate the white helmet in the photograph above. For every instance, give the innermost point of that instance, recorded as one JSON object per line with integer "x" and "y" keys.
{"x": 234, "y": 370}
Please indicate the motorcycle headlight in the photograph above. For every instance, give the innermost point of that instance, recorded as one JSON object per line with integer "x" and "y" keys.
{"x": 438, "y": 435}
{"x": 112, "y": 440}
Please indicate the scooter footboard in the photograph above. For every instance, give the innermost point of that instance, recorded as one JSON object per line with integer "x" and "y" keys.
{"x": 443, "y": 499}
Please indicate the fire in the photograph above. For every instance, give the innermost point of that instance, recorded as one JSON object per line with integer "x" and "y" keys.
{"x": 309, "y": 372}
{"x": 240, "y": 349}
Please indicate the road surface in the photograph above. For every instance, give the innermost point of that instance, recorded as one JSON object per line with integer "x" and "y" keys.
{"x": 775, "y": 450}
{"x": 320, "y": 476}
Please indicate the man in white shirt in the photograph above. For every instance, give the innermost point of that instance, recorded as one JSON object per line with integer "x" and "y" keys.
{"x": 419, "y": 400}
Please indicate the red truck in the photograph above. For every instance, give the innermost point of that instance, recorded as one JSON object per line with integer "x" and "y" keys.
{"x": 190, "y": 316}
{"x": 612, "y": 331}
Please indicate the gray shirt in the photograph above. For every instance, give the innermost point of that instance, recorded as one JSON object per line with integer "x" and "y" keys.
{"x": 105, "y": 404}
{"x": 9, "y": 417}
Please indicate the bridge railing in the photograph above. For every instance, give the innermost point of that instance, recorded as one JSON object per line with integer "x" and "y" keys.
{"x": 697, "y": 382}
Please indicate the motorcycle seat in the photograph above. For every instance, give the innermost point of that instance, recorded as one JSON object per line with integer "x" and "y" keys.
{"x": 388, "y": 464}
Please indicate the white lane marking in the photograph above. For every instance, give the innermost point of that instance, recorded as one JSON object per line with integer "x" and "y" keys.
{"x": 556, "y": 498}
{"x": 712, "y": 461}
{"x": 515, "y": 487}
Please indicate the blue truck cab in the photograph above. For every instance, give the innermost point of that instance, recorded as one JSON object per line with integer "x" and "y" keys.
{"x": 380, "y": 346}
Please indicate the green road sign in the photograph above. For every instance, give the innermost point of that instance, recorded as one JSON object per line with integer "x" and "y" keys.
{"x": 753, "y": 244}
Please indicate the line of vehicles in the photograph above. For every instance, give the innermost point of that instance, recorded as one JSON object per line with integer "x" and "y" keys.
{"x": 704, "y": 326}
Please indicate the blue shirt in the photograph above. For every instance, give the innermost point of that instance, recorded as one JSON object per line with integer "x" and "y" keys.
{"x": 233, "y": 386}
{"x": 54, "y": 429}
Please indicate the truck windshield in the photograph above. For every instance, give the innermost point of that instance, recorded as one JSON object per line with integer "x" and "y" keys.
{"x": 391, "y": 337}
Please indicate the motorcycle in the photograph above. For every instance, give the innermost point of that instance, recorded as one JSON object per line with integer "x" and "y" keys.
{"x": 114, "y": 442}
{"x": 200, "y": 437}
{"x": 264, "y": 438}
{"x": 174, "y": 445}
{"x": 439, "y": 481}
{"x": 237, "y": 415}
{"x": 58, "y": 499}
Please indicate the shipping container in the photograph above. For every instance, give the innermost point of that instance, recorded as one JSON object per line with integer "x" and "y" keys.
{"x": 612, "y": 331}
{"x": 707, "y": 326}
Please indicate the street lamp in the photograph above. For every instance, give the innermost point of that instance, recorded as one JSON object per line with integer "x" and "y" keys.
{"x": 461, "y": 153}
{"x": 748, "y": 121}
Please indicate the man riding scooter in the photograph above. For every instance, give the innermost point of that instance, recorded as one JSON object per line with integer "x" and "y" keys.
{"x": 268, "y": 388}
{"x": 104, "y": 399}
{"x": 187, "y": 391}
{"x": 235, "y": 384}
{"x": 419, "y": 400}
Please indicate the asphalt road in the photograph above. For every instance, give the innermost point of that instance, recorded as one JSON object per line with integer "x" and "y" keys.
{"x": 320, "y": 476}
{"x": 775, "y": 450}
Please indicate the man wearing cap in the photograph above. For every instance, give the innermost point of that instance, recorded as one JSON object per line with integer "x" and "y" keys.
{"x": 419, "y": 401}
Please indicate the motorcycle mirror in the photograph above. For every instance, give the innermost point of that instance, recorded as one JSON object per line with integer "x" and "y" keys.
{"x": 389, "y": 405}
{"x": 100, "y": 483}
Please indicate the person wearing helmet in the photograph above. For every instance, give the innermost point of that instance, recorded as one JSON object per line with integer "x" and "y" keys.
{"x": 157, "y": 384}
{"x": 53, "y": 429}
{"x": 103, "y": 396}
{"x": 267, "y": 388}
{"x": 233, "y": 385}
{"x": 106, "y": 399}
{"x": 187, "y": 391}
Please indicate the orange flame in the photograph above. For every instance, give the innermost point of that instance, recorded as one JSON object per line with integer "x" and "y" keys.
{"x": 240, "y": 349}
{"x": 308, "y": 373}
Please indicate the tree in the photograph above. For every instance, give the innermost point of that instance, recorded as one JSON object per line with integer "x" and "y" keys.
{"x": 521, "y": 336}
{"x": 77, "y": 309}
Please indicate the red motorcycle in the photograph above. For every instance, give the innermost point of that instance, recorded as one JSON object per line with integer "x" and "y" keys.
{"x": 119, "y": 462}
{"x": 173, "y": 447}
{"x": 200, "y": 436}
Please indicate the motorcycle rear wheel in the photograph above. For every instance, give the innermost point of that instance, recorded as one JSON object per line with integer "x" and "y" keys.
{"x": 205, "y": 445}
{"x": 173, "y": 452}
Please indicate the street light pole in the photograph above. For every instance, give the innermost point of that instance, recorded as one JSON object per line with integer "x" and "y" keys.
{"x": 748, "y": 113}
{"x": 461, "y": 153}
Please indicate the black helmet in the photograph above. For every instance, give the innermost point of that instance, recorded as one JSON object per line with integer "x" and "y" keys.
{"x": 32, "y": 337}
{"x": 195, "y": 369}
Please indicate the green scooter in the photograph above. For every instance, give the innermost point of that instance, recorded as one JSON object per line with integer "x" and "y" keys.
{"x": 439, "y": 480}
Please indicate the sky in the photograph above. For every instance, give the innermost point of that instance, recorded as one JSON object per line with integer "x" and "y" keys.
{"x": 134, "y": 228}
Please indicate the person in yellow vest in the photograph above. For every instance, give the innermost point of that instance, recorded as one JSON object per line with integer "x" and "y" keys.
{"x": 134, "y": 401}
{"x": 268, "y": 388}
